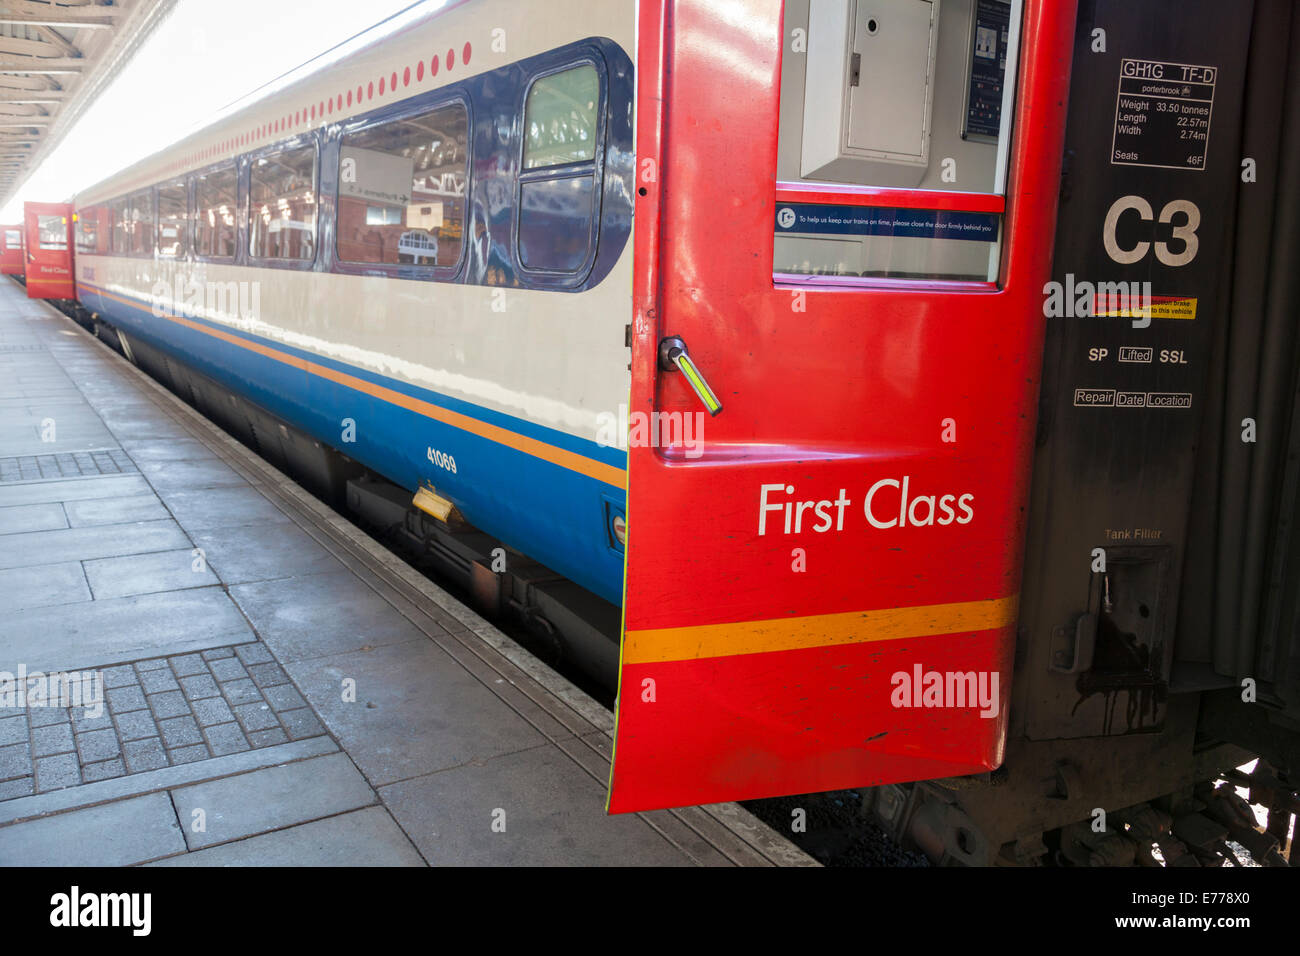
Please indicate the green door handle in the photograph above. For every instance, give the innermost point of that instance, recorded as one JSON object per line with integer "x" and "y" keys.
{"x": 673, "y": 354}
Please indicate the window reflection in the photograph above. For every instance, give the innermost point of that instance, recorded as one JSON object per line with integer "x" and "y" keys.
{"x": 214, "y": 213}
{"x": 561, "y": 118}
{"x": 141, "y": 223}
{"x": 282, "y": 207}
{"x": 53, "y": 232}
{"x": 402, "y": 190}
{"x": 172, "y": 214}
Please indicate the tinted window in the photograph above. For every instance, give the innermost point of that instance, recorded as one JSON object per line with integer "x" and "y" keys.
{"x": 282, "y": 206}
{"x": 142, "y": 223}
{"x": 555, "y": 223}
{"x": 52, "y": 231}
{"x": 215, "y": 197}
{"x": 121, "y": 227}
{"x": 559, "y": 191}
{"x": 560, "y": 121}
{"x": 104, "y": 230}
{"x": 13, "y": 239}
{"x": 173, "y": 200}
{"x": 88, "y": 229}
{"x": 402, "y": 190}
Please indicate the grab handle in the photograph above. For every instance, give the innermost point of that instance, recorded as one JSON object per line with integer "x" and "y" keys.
{"x": 673, "y": 354}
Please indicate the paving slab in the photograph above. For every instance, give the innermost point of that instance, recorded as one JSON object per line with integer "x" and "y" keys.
{"x": 130, "y": 785}
{"x": 190, "y": 475}
{"x": 121, "y": 833}
{"x": 69, "y": 443}
{"x": 144, "y": 450}
{"x": 42, "y": 517}
{"x": 199, "y": 510}
{"x": 100, "y": 633}
{"x": 120, "y": 510}
{"x": 45, "y": 586}
{"x": 152, "y": 426}
{"x": 280, "y": 550}
{"x": 535, "y": 808}
{"x": 366, "y": 837}
{"x": 147, "y": 574}
{"x": 105, "y": 486}
{"x": 77, "y": 544}
{"x": 263, "y": 800}
{"x": 315, "y": 615}
{"x": 132, "y": 421}
{"x": 415, "y": 711}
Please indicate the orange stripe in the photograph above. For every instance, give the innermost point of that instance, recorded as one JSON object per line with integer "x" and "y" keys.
{"x": 609, "y": 474}
{"x": 819, "y": 630}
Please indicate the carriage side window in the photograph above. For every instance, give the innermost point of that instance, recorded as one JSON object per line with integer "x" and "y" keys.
{"x": 121, "y": 227}
{"x": 88, "y": 238}
{"x": 142, "y": 223}
{"x": 13, "y": 239}
{"x": 104, "y": 230}
{"x": 52, "y": 232}
{"x": 215, "y": 202}
{"x": 560, "y": 122}
{"x": 402, "y": 190}
{"x": 558, "y": 193}
{"x": 173, "y": 201}
{"x": 282, "y": 206}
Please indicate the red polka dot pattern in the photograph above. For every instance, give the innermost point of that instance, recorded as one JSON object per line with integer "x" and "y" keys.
{"x": 341, "y": 101}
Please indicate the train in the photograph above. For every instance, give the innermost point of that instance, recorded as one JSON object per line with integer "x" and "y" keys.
{"x": 889, "y": 395}
{"x": 12, "y": 238}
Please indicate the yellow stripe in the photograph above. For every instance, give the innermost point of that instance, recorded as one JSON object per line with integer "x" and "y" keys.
{"x": 609, "y": 474}
{"x": 821, "y": 630}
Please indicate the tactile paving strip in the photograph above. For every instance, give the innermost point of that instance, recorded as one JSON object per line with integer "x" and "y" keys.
{"x": 109, "y": 461}
{"x": 155, "y": 713}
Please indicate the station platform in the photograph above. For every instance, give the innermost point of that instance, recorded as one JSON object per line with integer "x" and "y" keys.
{"x": 275, "y": 687}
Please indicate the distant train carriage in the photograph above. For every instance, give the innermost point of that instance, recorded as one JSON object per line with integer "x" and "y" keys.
{"x": 788, "y": 423}
{"x": 11, "y": 249}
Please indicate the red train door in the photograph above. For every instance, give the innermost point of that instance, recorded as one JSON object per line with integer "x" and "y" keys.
{"x": 49, "y": 250}
{"x": 841, "y": 243}
{"x": 11, "y": 250}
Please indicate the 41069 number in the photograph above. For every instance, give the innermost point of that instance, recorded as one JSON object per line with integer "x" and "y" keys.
{"x": 442, "y": 460}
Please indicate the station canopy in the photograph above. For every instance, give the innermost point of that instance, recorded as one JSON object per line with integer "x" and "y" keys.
{"x": 55, "y": 59}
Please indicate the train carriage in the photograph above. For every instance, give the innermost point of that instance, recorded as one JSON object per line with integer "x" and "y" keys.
{"x": 746, "y": 320}
{"x": 12, "y": 249}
